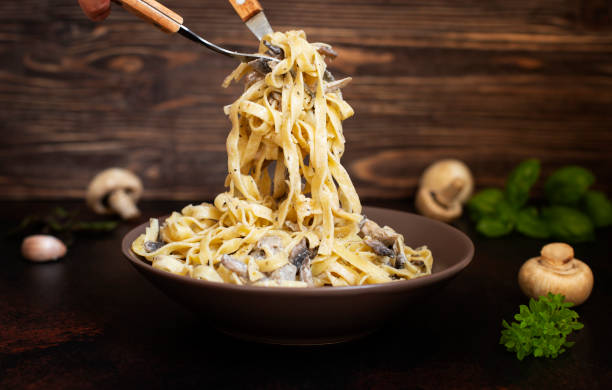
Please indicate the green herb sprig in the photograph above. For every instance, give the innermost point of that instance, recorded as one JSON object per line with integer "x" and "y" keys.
{"x": 542, "y": 328}
{"x": 572, "y": 214}
{"x": 61, "y": 223}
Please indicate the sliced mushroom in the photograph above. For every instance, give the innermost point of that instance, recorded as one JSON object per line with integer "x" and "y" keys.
{"x": 286, "y": 272}
{"x": 300, "y": 253}
{"x": 267, "y": 246}
{"x": 325, "y": 50}
{"x": 234, "y": 265}
{"x": 301, "y": 257}
{"x": 274, "y": 50}
{"x": 337, "y": 84}
{"x": 378, "y": 247}
{"x": 152, "y": 246}
{"x": 152, "y": 240}
{"x": 115, "y": 190}
{"x": 305, "y": 273}
{"x": 262, "y": 66}
{"x": 251, "y": 78}
{"x": 384, "y": 241}
{"x": 370, "y": 228}
{"x": 399, "y": 259}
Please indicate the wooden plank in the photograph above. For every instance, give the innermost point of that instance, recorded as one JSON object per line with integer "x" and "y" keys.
{"x": 488, "y": 82}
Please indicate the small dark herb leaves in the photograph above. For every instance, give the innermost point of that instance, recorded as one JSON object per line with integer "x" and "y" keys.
{"x": 61, "y": 223}
{"x": 542, "y": 328}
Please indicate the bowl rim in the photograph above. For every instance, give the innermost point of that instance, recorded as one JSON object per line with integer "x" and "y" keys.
{"x": 395, "y": 286}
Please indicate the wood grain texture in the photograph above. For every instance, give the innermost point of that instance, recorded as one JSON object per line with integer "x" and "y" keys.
{"x": 155, "y": 13}
{"x": 488, "y": 82}
{"x": 164, "y": 10}
{"x": 246, "y": 9}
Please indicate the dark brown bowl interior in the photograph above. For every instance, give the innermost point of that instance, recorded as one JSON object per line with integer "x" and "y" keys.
{"x": 316, "y": 315}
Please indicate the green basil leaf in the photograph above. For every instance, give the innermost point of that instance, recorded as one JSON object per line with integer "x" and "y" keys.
{"x": 530, "y": 224}
{"x": 499, "y": 222}
{"x": 484, "y": 203}
{"x": 568, "y": 184}
{"x": 492, "y": 227}
{"x": 504, "y": 211}
{"x": 568, "y": 224}
{"x": 520, "y": 181}
{"x": 599, "y": 208}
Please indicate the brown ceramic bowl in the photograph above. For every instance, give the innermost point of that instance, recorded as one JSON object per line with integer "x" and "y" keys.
{"x": 321, "y": 315}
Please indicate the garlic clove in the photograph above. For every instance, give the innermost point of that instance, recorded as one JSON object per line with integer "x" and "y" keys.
{"x": 41, "y": 248}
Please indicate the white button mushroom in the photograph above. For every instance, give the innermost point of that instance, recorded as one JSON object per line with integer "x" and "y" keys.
{"x": 443, "y": 188}
{"x": 115, "y": 190}
{"x": 558, "y": 272}
{"x": 41, "y": 248}
{"x": 440, "y": 174}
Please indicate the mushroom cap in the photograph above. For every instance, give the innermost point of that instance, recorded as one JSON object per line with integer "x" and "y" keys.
{"x": 440, "y": 174}
{"x": 429, "y": 207}
{"x": 572, "y": 278}
{"x": 107, "y": 181}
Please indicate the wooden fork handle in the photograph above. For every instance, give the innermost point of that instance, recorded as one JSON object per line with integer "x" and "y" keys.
{"x": 155, "y": 13}
{"x": 246, "y": 9}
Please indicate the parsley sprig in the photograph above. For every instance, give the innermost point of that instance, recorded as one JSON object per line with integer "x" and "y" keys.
{"x": 542, "y": 328}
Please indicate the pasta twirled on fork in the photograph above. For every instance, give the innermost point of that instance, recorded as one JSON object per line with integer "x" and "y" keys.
{"x": 291, "y": 215}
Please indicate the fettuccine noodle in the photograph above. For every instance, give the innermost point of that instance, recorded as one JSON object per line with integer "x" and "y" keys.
{"x": 291, "y": 216}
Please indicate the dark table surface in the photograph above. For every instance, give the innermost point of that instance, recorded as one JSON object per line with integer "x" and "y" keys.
{"x": 91, "y": 321}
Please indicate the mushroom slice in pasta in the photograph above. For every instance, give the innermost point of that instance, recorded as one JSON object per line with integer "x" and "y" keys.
{"x": 300, "y": 253}
{"x": 286, "y": 272}
{"x": 386, "y": 235}
{"x": 267, "y": 246}
{"x": 234, "y": 265}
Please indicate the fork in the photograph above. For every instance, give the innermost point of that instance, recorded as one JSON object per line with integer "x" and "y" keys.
{"x": 171, "y": 22}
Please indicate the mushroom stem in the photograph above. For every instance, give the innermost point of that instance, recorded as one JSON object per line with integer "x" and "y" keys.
{"x": 557, "y": 254}
{"x": 123, "y": 204}
{"x": 448, "y": 194}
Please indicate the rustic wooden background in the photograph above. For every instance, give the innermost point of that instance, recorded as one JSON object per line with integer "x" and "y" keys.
{"x": 491, "y": 82}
